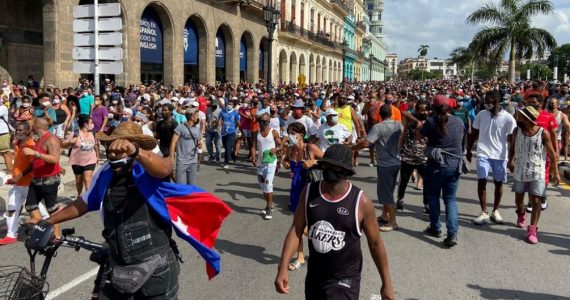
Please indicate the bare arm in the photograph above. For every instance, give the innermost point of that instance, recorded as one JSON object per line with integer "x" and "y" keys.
{"x": 77, "y": 209}
{"x": 154, "y": 165}
{"x": 292, "y": 240}
{"x": 173, "y": 143}
{"x": 52, "y": 147}
{"x": 356, "y": 121}
{"x": 367, "y": 217}
{"x": 546, "y": 141}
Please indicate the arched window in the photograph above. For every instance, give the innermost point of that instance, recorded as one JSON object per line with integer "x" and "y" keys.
{"x": 312, "y": 20}
{"x": 318, "y": 22}
{"x": 302, "y": 15}
{"x": 293, "y": 11}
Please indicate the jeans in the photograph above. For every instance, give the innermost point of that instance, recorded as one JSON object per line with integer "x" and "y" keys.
{"x": 406, "y": 170}
{"x": 228, "y": 141}
{"x": 213, "y": 137}
{"x": 186, "y": 174}
{"x": 444, "y": 181}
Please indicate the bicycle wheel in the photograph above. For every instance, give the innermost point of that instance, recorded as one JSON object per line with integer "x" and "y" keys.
{"x": 17, "y": 283}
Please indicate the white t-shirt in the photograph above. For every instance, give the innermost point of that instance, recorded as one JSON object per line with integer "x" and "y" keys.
{"x": 330, "y": 135}
{"x": 493, "y": 134}
{"x": 306, "y": 121}
{"x": 4, "y": 119}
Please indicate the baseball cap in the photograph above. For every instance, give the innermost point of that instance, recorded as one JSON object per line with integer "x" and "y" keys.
{"x": 298, "y": 104}
{"x": 331, "y": 112}
{"x": 440, "y": 100}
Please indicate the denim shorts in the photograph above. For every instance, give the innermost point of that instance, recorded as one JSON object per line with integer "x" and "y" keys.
{"x": 497, "y": 166}
{"x": 535, "y": 188}
{"x": 265, "y": 175}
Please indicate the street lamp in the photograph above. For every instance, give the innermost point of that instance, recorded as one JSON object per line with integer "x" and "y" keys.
{"x": 271, "y": 17}
{"x": 343, "y": 48}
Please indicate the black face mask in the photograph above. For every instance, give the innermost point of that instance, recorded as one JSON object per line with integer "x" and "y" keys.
{"x": 263, "y": 124}
{"x": 535, "y": 106}
{"x": 421, "y": 117}
{"x": 520, "y": 124}
{"x": 272, "y": 112}
{"x": 332, "y": 177}
{"x": 123, "y": 166}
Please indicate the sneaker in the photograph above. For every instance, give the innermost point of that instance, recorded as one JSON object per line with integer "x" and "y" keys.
{"x": 521, "y": 219}
{"x": 496, "y": 217}
{"x": 400, "y": 205}
{"x": 433, "y": 232}
{"x": 264, "y": 211}
{"x": 482, "y": 218}
{"x": 450, "y": 240}
{"x": 531, "y": 234}
{"x": 529, "y": 207}
{"x": 226, "y": 167}
{"x": 8, "y": 240}
{"x": 268, "y": 215}
{"x": 543, "y": 203}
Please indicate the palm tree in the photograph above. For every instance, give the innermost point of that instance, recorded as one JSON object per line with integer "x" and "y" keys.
{"x": 463, "y": 56}
{"x": 511, "y": 30}
{"x": 423, "y": 50}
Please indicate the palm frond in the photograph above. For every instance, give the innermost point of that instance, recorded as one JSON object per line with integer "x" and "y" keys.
{"x": 487, "y": 14}
{"x": 535, "y": 7}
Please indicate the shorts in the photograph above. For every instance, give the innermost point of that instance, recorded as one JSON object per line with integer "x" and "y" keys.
{"x": 265, "y": 175}
{"x": 387, "y": 177}
{"x": 78, "y": 170}
{"x": 497, "y": 166}
{"x": 535, "y": 188}
{"x": 246, "y": 133}
{"x": 4, "y": 143}
{"x": 343, "y": 289}
{"x": 16, "y": 197}
{"x": 43, "y": 189}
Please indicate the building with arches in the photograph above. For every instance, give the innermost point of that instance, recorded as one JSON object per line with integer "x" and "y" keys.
{"x": 309, "y": 36}
{"x": 169, "y": 40}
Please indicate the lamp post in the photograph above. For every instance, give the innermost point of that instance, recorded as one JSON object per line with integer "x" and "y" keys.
{"x": 271, "y": 17}
{"x": 370, "y": 70}
{"x": 343, "y": 48}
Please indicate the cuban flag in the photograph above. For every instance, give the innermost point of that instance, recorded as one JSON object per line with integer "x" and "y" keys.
{"x": 195, "y": 214}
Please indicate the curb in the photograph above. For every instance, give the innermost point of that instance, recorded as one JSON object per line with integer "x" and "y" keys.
{"x": 564, "y": 169}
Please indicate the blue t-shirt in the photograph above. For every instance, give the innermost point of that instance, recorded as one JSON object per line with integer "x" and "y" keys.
{"x": 469, "y": 105}
{"x": 229, "y": 119}
{"x": 85, "y": 103}
{"x": 179, "y": 118}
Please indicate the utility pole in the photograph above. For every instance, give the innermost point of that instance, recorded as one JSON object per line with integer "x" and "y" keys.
{"x": 96, "y": 20}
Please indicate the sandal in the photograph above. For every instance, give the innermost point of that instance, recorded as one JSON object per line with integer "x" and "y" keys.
{"x": 296, "y": 265}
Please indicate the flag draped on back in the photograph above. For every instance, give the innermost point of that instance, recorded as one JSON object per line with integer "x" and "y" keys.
{"x": 195, "y": 214}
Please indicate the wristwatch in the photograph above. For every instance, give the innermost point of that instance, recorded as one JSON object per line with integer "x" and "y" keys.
{"x": 136, "y": 153}
{"x": 37, "y": 154}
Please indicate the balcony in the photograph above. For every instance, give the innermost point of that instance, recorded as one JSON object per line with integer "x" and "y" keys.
{"x": 361, "y": 26}
{"x": 321, "y": 37}
{"x": 344, "y": 5}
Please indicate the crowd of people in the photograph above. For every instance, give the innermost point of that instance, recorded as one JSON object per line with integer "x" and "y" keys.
{"x": 419, "y": 131}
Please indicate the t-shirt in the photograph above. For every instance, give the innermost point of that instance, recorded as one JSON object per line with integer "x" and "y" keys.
{"x": 244, "y": 123}
{"x": 212, "y": 117}
{"x": 310, "y": 128}
{"x": 386, "y": 139}
{"x": 186, "y": 148}
{"x": 83, "y": 151}
{"x": 99, "y": 115}
{"x": 85, "y": 103}
{"x": 253, "y": 122}
{"x": 202, "y": 103}
{"x": 462, "y": 114}
{"x": 165, "y": 131}
{"x": 396, "y": 114}
{"x": 493, "y": 134}
{"x": 547, "y": 121}
{"x": 22, "y": 162}
{"x": 451, "y": 142}
{"x": 4, "y": 120}
{"x": 178, "y": 117}
{"x": 229, "y": 119}
{"x": 330, "y": 135}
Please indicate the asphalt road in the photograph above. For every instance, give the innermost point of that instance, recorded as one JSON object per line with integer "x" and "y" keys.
{"x": 490, "y": 262}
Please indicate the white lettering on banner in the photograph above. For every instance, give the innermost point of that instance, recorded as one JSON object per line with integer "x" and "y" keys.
{"x": 147, "y": 45}
{"x": 185, "y": 39}
{"x": 149, "y": 34}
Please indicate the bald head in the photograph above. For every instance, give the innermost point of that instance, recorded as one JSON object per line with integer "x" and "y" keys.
{"x": 41, "y": 123}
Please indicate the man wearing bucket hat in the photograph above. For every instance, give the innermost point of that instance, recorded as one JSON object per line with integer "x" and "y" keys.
{"x": 527, "y": 160}
{"x": 337, "y": 214}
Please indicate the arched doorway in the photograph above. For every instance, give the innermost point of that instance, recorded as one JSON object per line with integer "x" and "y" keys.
{"x": 224, "y": 59}
{"x": 302, "y": 65}
{"x": 311, "y": 68}
{"x": 151, "y": 46}
{"x": 319, "y": 77}
{"x": 331, "y": 71}
{"x": 194, "y": 37}
{"x": 263, "y": 59}
{"x": 246, "y": 57}
{"x": 283, "y": 67}
{"x": 293, "y": 68}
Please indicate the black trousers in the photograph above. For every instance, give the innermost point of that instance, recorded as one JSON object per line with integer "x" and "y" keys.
{"x": 406, "y": 170}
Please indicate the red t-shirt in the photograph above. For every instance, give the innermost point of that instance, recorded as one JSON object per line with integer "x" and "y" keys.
{"x": 547, "y": 121}
{"x": 203, "y": 103}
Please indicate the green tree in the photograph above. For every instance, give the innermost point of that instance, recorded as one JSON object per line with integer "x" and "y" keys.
{"x": 423, "y": 50}
{"x": 560, "y": 57}
{"x": 511, "y": 30}
{"x": 537, "y": 71}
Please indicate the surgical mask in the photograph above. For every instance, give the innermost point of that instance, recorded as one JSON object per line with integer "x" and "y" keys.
{"x": 423, "y": 97}
{"x": 124, "y": 119}
{"x": 229, "y": 107}
{"x": 332, "y": 177}
{"x": 107, "y": 89}
{"x": 292, "y": 139}
{"x": 85, "y": 94}
{"x": 26, "y": 104}
{"x": 122, "y": 166}
{"x": 46, "y": 103}
{"x": 489, "y": 106}
{"x": 115, "y": 101}
{"x": 334, "y": 120}
{"x": 90, "y": 127}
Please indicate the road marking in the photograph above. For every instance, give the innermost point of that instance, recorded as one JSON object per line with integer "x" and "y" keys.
{"x": 375, "y": 297}
{"x": 68, "y": 286}
{"x": 564, "y": 185}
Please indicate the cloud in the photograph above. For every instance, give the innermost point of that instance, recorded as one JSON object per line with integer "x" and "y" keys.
{"x": 441, "y": 25}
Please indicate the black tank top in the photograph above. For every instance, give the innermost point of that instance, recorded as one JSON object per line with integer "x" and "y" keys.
{"x": 334, "y": 235}
{"x": 60, "y": 116}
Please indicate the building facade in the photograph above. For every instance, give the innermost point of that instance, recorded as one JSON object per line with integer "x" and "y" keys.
{"x": 391, "y": 63}
{"x": 443, "y": 66}
{"x": 309, "y": 41}
{"x": 375, "y": 38}
{"x": 168, "y": 40}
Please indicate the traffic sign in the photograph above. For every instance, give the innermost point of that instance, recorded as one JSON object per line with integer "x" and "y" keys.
{"x": 105, "y": 24}
{"x": 105, "y": 10}
{"x": 105, "y": 39}
{"x": 105, "y": 67}
{"x": 88, "y": 53}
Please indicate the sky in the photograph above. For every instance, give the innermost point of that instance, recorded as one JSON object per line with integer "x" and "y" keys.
{"x": 441, "y": 25}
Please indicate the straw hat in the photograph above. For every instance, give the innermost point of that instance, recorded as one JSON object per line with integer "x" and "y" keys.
{"x": 129, "y": 131}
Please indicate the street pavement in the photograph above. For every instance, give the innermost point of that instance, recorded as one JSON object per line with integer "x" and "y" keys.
{"x": 490, "y": 261}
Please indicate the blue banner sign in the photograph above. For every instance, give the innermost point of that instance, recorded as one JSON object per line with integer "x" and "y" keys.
{"x": 242, "y": 55}
{"x": 151, "y": 37}
{"x": 190, "y": 44}
{"x": 220, "y": 51}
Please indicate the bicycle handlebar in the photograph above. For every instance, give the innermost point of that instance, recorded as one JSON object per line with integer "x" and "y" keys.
{"x": 79, "y": 242}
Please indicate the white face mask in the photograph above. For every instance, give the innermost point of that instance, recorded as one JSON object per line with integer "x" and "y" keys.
{"x": 489, "y": 106}
{"x": 292, "y": 139}
{"x": 46, "y": 103}
{"x": 86, "y": 94}
{"x": 90, "y": 127}
{"x": 334, "y": 120}
{"x": 115, "y": 101}
{"x": 26, "y": 105}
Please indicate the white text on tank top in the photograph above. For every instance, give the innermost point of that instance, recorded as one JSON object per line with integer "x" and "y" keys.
{"x": 530, "y": 157}
{"x": 265, "y": 143}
